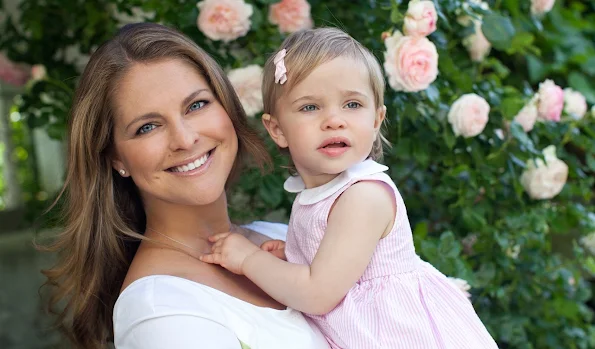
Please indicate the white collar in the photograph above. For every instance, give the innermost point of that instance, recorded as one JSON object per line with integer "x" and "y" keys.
{"x": 311, "y": 196}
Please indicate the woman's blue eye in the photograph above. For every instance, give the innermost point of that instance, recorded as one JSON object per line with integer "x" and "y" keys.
{"x": 146, "y": 128}
{"x": 309, "y": 107}
{"x": 353, "y": 105}
{"x": 197, "y": 105}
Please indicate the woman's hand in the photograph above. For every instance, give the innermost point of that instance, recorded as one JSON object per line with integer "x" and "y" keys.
{"x": 230, "y": 250}
{"x": 275, "y": 247}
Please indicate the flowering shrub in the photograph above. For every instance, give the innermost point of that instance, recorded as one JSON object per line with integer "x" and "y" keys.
{"x": 490, "y": 113}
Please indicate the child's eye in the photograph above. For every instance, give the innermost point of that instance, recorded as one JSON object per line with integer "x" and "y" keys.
{"x": 145, "y": 129}
{"x": 353, "y": 105}
{"x": 309, "y": 107}
{"x": 197, "y": 105}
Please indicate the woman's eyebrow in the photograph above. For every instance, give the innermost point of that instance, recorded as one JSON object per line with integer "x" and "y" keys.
{"x": 151, "y": 115}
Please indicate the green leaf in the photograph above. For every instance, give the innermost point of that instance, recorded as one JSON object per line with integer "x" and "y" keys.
{"x": 511, "y": 106}
{"x": 580, "y": 83}
{"x": 395, "y": 15}
{"x": 449, "y": 247}
{"x": 449, "y": 138}
{"x": 421, "y": 229}
{"x": 591, "y": 161}
{"x": 537, "y": 70}
{"x": 271, "y": 190}
{"x": 498, "y": 30}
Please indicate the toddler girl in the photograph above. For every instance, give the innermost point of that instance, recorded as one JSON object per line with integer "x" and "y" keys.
{"x": 351, "y": 264}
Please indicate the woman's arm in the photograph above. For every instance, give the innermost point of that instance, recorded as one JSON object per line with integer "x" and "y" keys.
{"x": 177, "y": 331}
{"x": 360, "y": 217}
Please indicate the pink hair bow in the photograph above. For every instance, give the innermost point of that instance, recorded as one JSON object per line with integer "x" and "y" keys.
{"x": 280, "y": 70}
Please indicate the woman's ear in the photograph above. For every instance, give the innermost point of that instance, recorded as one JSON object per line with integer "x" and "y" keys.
{"x": 271, "y": 123}
{"x": 380, "y": 115}
{"x": 118, "y": 165}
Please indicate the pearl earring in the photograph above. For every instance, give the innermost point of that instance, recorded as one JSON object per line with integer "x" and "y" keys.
{"x": 122, "y": 172}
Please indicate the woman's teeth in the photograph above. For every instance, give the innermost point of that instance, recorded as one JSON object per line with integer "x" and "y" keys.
{"x": 193, "y": 165}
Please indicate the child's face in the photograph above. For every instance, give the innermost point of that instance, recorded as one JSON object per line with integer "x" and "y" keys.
{"x": 329, "y": 121}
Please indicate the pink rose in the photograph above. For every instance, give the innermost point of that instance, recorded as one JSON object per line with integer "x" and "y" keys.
{"x": 540, "y": 7}
{"x": 247, "y": 82}
{"x": 551, "y": 101}
{"x": 411, "y": 63}
{"x": 224, "y": 20}
{"x": 12, "y": 73}
{"x": 575, "y": 103}
{"x": 527, "y": 116}
{"x": 420, "y": 19}
{"x": 38, "y": 72}
{"x": 477, "y": 44}
{"x": 291, "y": 15}
{"x": 469, "y": 115}
{"x": 545, "y": 179}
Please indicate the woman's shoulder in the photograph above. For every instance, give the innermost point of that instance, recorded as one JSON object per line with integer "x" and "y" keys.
{"x": 175, "y": 301}
{"x": 157, "y": 295}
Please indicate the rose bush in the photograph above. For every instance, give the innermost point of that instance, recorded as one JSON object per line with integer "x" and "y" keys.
{"x": 490, "y": 207}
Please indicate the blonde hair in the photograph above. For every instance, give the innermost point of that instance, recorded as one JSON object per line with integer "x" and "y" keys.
{"x": 103, "y": 214}
{"x": 308, "y": 49}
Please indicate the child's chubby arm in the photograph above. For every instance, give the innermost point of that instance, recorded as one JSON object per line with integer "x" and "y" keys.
{"x": 361, "y": 216}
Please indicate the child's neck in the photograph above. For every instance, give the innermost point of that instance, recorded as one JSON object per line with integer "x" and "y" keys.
{"x": 313, "y": 181}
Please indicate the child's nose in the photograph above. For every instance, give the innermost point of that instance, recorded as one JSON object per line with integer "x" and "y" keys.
{"x": 333, "y": 121}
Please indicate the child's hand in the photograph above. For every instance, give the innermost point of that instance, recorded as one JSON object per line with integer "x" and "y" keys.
{"x": 230, "y": 250}
{"x": 275, "y": 247}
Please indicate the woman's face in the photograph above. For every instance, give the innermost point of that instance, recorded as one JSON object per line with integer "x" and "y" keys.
{"x": 171, "y": 135}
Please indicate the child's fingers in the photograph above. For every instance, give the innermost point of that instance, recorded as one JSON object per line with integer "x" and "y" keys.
{"x": 272, "y": 245}
{"x": 279, "y": 254}
{"x": 213, "y": 258}
{"x": 217, "y": 237}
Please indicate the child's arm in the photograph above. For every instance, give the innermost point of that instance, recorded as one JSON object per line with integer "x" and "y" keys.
{"x": 360, "y": 217}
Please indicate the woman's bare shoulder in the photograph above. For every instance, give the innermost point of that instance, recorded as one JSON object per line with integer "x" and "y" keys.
{"x": 155, "y": 260}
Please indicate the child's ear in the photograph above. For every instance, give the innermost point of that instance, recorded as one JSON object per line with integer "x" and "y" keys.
{"x": 272, "y": 125}
{"x": 380, "y": 115}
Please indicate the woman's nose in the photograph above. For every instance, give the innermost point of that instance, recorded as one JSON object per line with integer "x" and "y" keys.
{"x": 182, "y": 135}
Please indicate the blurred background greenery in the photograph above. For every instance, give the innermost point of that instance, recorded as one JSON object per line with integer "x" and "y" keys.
{"x": 527, "y": 261}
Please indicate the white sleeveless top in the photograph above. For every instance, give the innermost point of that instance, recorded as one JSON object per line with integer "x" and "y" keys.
{"x": 164, "y": 311}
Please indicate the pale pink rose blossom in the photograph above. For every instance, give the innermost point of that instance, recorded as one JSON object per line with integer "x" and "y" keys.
{"x": 477, "y": 44}
{"x": 545, "y": 179}
{"x": 540, "y": 7}
{"x": 551, "y": 101}
{"x": 224, "y": 20}
{"x": 469, "y": 115}
{"x": 38, "y": 72}
{"x": 411, "y": 63}
{"x": 13, "y": 73}
{"x": 462, "y": 285}
{"x": 420, "y": 19}
{"x": 291, "y": 15}
{"x": 527, "y": 116}
{"x": 247, "y": 82}
{"x": 575, "y": 103}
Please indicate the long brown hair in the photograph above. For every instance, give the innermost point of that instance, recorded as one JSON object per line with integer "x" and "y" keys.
{"x": 103, "y": 213}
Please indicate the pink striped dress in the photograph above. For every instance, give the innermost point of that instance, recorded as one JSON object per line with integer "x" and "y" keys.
{"x": 400, "y": 301}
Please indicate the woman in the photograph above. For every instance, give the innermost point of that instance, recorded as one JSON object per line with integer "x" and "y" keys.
{"x": 156, "y": 134}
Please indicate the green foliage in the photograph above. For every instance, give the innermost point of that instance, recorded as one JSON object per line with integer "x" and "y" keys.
{"x": 470, "y": 214}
